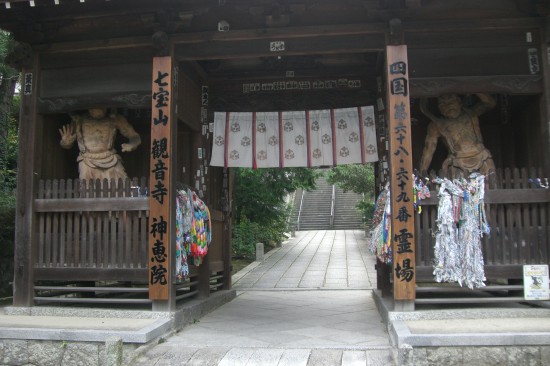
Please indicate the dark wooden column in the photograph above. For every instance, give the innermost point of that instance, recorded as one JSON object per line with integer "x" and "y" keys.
{"x": 30, "y": 136}
{"x": 545, "y": 100}
{"x": 204, "y": 268}
{"x": 227, "y": 237}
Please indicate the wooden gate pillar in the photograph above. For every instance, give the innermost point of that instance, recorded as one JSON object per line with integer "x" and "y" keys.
{"x": 401, "y": 178}
{"x": 162, "y": 187}
{"x": 28, "y": 162}
{"x": 545, "y": 100}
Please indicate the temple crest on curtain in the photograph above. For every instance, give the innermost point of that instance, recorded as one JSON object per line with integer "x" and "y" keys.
{"x": 294, "y": 139}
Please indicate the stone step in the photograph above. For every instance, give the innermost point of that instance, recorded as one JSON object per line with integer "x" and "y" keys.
{"x": 358, "y": 227}
{"x": 270, "y": 356}
{"x": 316, "y": 208}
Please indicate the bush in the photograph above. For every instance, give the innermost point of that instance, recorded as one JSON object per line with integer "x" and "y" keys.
{"x": 259, "y": 210}
{"x": 366, "y": 209}
{"x": 246, "y": 234}
{"x": 244, "y": 242}
{"x": 7, "y": 239}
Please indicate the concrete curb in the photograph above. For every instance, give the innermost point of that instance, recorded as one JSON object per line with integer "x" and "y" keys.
{"x": 421, "y": 336}
{"x": 243, "y": 272}
{"x": 142, "y": 335}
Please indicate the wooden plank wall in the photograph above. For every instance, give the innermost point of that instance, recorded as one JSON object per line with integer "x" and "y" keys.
{"x": 518, "y": 215}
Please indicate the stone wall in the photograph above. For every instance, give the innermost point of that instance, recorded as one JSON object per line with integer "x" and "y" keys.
{"x": 474, "y": 356}
{"x": 63, "y": 353}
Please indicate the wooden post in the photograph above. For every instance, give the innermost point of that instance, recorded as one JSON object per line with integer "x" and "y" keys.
{"x": 383, "y": 272}
{"x": 161, "y": 186}
{"x": 204, "y": 268}
{"x": 28, "y": 161}
{"x": 545, "y": 99}
{"x": 227, "y": 242}
{"x": 401, "y": 181}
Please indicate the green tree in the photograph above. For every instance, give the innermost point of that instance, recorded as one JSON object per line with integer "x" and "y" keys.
{"x": 8, "y": 163}
{"x": 8, "y": 123}
{"x": 260, "y": 193}
{"x": 357, "y": 178}
{"x": 259, "y": 209}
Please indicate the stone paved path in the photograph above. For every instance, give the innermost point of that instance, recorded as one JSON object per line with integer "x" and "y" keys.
{"x": 315, "y": 259}
{"x": 308, "y": 303}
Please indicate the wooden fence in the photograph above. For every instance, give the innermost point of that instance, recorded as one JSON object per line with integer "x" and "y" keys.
{"x": 518, "y": 215}
{"x": 91, "y": 230}
{"x": 92, "y": 245}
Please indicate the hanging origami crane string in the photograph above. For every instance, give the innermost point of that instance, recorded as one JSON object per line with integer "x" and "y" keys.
{"x": 193, "y": 231}
{"x": 461, "y": 223}
{"x": 380, "y": 243}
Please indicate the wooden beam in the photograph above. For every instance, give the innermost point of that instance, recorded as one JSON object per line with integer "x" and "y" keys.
{"x": 472, "y": 38}
{"x": 470, "y": 300}
{"x": 480, "y": 24}
{"x": 429, "y": 27}
{"x": 92, "y": 204}
{"x": 306, "y": 32}
{"x": 500, "y": 271}
{"x": 91, "y": 274}
{"x": 359, "y": 72}
{"x": 216, "y": 50}
{"x": 131, "y": 99}
{"x": 282, "y": 33}
{"x": 105, "y": 44}
{"x": 235, "y": 100}
{"x": 503, "y": 196}
{"x": 506, "y": 84}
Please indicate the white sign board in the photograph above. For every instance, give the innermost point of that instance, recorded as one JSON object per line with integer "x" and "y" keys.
{"x": 535, "y": 282}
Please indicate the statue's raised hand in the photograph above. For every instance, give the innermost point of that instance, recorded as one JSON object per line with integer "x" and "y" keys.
{"x": 68, "y": 135}
{"x": 127, "y": 147}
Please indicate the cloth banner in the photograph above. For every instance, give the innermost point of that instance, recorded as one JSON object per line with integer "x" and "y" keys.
{"x": 294, "y": 139}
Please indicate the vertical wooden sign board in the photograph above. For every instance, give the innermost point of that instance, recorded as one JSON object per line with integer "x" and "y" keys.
{"x": 401, "y": 186}
{"x": 159, "y": 181}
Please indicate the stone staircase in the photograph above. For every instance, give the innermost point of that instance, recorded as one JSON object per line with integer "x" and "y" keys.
{"x": 346, "y": 216}
{"x": 316, "y": 207}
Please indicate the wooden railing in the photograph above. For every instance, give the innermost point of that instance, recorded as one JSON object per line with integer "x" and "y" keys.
{"x": 91, "y": 225}
{"x": 92, "y": 245}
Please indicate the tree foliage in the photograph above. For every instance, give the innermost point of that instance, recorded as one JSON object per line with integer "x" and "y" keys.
{"x": 359, "y": 179}
{"x": 259, "y": 208}
{"x": 260, "y": 194}
{"x": 356, "y": 178}
{"x": 8, "y": 121}
{"x": 8, "y": 163}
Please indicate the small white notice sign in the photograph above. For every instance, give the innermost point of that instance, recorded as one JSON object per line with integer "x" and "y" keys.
{"x": 535, "y": 282}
